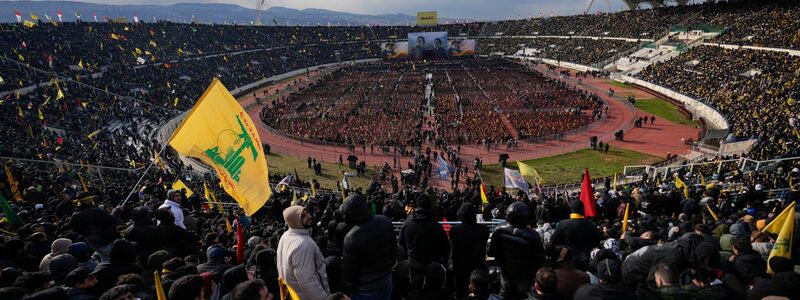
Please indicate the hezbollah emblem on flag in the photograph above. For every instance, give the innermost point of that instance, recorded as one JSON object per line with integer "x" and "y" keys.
{"x": 218, "y": 132}
{"x": 234, "y": 144}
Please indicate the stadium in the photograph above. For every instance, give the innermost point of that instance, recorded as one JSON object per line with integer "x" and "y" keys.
{"x": 645, "y": 153}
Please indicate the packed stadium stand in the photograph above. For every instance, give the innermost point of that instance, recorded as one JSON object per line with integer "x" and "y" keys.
{"x": 88, "y": 211}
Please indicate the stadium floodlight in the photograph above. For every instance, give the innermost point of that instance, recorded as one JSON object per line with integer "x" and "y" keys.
{"x": 259, "y": 8}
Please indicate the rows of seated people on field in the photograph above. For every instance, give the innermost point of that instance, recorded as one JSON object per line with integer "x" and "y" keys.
{"x": 61, "y": 242}
{"x": 86, "y": 125}
{"x": 756, "y": 90}
{"x": 354, "y": 105}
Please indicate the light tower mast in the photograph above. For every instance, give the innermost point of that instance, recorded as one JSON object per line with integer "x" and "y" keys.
{"x": 259, "y": 8}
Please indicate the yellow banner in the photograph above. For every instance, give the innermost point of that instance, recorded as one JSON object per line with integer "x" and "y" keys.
{"x": 178, "y": 185}
{"x": 218, "y": 132}
{"x": 427, "y": 18}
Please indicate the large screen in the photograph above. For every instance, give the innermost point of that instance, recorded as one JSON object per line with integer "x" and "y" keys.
{"x": 461, "y": 49}
{"x": 427, "y": 45}
{"x": 394, "y": 50}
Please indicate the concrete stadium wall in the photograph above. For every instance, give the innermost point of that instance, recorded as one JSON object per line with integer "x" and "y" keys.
{"x": 714, "y": 120}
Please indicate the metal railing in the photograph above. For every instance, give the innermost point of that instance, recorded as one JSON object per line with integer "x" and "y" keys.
{"x": 491, "y": 225}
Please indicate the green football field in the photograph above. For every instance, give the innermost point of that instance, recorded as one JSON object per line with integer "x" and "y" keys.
{"x": 664, "y": 110}
{"x": 568, "y": 167}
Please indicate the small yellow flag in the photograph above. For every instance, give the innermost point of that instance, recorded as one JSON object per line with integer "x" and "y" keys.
{"x": 114, "y": 36}
{"x": 680, "y": 184}
{"x": 218, "y": 132}
{"x": 527, "y": 170}
{"x": 41, "y": 115}
{"x": 160, "y": 295}
{"x": 80, "y": 64}
{"x": 34, "y": 17}
{"x": 625, "y": 218}
{"x": 28, "y": 24}
{"x": 711, "y": 211}
{"x": 287, "y": 292}
{"x": 94, "y": 133}
{"x": 13, "y": 184}
{"x": 179, "y": 185}
{"x": 83, "y": 183}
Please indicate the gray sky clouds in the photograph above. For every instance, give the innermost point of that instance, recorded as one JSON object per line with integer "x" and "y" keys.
{"x": 454, "y": 9}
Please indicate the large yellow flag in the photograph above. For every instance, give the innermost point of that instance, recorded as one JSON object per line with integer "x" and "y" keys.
{"x": 179, "y": 185}
{"x": 783, "y": 245}
{"x": 218, "y": 132}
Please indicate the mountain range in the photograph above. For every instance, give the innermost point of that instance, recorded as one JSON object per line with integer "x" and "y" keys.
{"x": 201, "y": 12}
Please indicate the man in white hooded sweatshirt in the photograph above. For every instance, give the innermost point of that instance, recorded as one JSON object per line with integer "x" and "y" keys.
{"x": 300, "y": 263}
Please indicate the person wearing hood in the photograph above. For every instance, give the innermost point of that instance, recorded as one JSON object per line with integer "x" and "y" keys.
{"x": 59, "y": 246}
{"x": 747, "y": 263}
{"x": 97, "y": 226}
{"x": 518, "y": 250}
{"x": 173, "y": 238}
{"x": 608, "y": 286}
{"x": 123, "y": 261}
{"x": 216, "y": 263}
{"x": 468, "y": 241}
{"x": 424, "y": 241}
{"x": 785, "y": 282}
{"x": 83, "y": 253}
{"x": 300, "y": 262}
{"x": 369, "y": 251}
{"x": 173, "y": 202}
{"x": 142, "y": 232}
{"x": 79, "y": 284}
{"x": 577, "y": 233}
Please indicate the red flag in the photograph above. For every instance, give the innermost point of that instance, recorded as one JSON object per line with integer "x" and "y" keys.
{"x": 446, "y": 227}
{"x": 239, "y": 242}
{"x": 587, "y": 195}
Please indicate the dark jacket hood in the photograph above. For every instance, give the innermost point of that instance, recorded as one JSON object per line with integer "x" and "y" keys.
{"x": 355, "y": 210}
{"x": 466, "y": 213}
{"x": 123, "y": 251}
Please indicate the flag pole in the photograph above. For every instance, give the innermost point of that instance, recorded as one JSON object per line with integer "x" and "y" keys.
{"x": 143, "y": 175}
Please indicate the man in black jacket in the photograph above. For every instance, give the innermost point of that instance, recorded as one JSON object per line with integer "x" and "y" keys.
{"x": 577, "y": 233}
{"x": 468, "y": 241}
{"x": 369, "y": 251}
{"x": 424, "y": 241}
{"x": 518, "y": 250}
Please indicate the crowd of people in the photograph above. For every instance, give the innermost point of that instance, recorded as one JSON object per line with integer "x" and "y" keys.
{"x": 62, "y": 241}
{"x": 585, "y": 51}
{"x": 755, "y": 90}
{"x": 383, "y": 104}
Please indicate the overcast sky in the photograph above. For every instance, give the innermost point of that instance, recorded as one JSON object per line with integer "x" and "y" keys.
{"x": 454, "y": 9}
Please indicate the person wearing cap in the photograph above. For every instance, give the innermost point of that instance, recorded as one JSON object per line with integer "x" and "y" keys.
{"x": 577, "y": 233}
{"x": 173, "y": 202}
{"x": 518, "y": 251}
{"x": 216, "y": 263}
{"x": 742, "y": 228}
{"x": 369, "y": 251}
{"x": 300, "y": 262}
{"x": 78, "y": 284}
{"x": 59, "y": 246}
